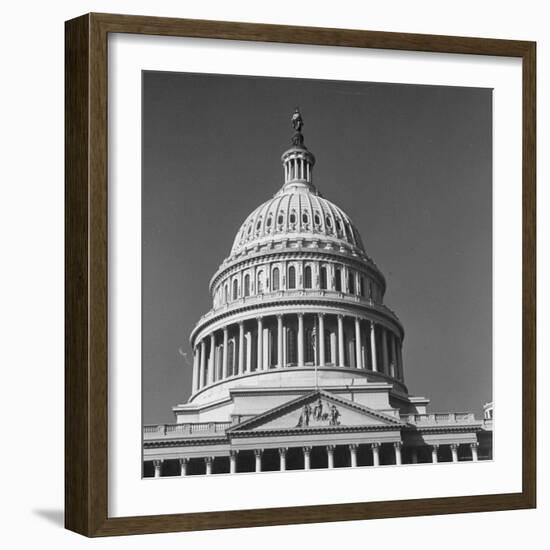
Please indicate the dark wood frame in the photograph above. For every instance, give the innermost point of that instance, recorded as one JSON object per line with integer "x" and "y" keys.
{"x": 86, "y": 285}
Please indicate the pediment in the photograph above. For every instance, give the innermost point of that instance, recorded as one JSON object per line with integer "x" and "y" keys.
{"x": 317, "y": 411}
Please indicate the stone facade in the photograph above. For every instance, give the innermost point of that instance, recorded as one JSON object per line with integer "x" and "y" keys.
{"x": 299, "y": 363}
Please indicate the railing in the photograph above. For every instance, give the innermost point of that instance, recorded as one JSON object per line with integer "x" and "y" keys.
{"x": 297, "y": 293}
{"x": 187, "y": 428}
{"x": 440, "y": 418}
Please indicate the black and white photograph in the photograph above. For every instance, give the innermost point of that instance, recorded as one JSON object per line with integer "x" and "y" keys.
{"x": 316, "y": 274}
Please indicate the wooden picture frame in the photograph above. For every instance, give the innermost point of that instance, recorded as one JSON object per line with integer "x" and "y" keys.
{"x": 86, "y": 283}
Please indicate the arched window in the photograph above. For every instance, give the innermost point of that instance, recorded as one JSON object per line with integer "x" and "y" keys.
{"x": 235, "y": 289}
{"x": 292, "y": 217}
{"x": 260, "y": 282}
{"x": 323, "y": 277}
{"x": 351, "y": 282}
{"x": 247, "y": 285}
{"x": 305, "y": 217}
{"x": 259, "y": 224}
{"x": 275, "y": 279}
{"x": 307, "y": 277}
{"x": 338, "y": 279}
{"x": 280, "y": 219}
{"x": 291, "y": 277}
{"x": 317, "y": 219}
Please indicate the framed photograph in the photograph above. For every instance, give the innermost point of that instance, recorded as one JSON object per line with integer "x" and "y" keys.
{"x": 300, "y": 275}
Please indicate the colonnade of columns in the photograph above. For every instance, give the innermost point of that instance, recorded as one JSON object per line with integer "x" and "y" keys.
{"x": 352, "y": 449}
{"x": 297, "y": 168}
{"x": 298, "y": 340}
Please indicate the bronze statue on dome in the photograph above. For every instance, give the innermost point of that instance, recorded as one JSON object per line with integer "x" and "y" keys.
{"x": 297, "y": 120}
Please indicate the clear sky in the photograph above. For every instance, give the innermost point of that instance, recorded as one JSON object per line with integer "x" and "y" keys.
{"x": 412, "y": 167}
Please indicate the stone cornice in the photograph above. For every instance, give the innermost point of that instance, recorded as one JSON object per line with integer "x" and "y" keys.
{"x": 185, "y": 442}
{"x": 447, "y": 428}
{"x": 312, "y": 431}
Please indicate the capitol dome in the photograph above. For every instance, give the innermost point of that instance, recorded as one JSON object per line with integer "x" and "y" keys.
{"x": 297, "y": 294}
{"x": 298, "y": 211}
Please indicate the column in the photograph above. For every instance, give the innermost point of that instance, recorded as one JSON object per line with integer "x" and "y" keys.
{"x": 300, "y": 339}
{"x": 248, "y": 351}
{"x": 358, "y": 361}
{"x": 330, "y": 455}
{"x": 158, "y": 465}
{"x": 233, "y": 461}
{"x": 395, "y": 365}
{"x": 183, "y": 466}
{"x": 307, "y": 458}
{"x": 321, "y": 338}
{"x": 400, "y": 361}
{"x": 202, "y": 380}
{"x": 208, "y": 460}
{"x": 353, "y": 454}
{"x": 434, "y": 453}
{"x": 258, "y": 459}
{"x": 280, "y": 341}
{"x": 340, "y": 340}
{"x": 212, "y": 361}
{"x": 224, "y": 355}
{"x": 375, "y": 454}
{"x": 397, "y": 447}
{"x": 241, "y": 349}
{"x": 282, "y": 459}
{"x": 373, "y": 346}
{"x": 260, "y": 349}
{"x": 454, "y": 451}
{"x": 333, "y": 348}
{"x": 384, "y": 351}
{"x": 195, "y": 369}
{"x": 414, "y": 455}
{"x": 473, "y": 447}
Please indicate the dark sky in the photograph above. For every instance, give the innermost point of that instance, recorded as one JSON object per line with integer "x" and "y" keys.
{"x": 411, "y": 165}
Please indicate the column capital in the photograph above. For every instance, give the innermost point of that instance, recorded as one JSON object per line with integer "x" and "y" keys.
{"x": 225, "y": 329}
{"x": 453, "y": 446}
{"x": 474, "y": 445}
{"x": 300, "y": 314}
{"x": 259, "y": 318}
{"x": 233, "y": 452}
{"x": 283, "y": 450}
{"x": 157, "y": 463}
{"x": 306, "y": 450}
{"x": 435, "y": 446}
{"x": 398, "y": 444}
{"x": 279, "y": 315}
{"x": 353, "y": 446}
{"x": 340, "y": 316}
{"x": 375, "y": 445}
{"x": 183, "y": 460}
{"x": 330, "y": 448}
{"x": 321, "y": 314}
{"x": 208, "y": 459}
{"x": 258, "y": 452}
